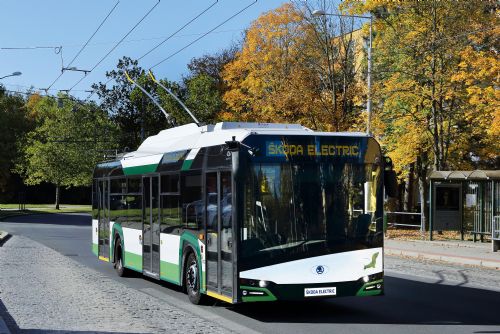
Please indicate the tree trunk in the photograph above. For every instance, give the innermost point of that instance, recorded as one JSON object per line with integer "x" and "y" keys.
{"x": 58, "y": 195}
{"x": 408, "y": 194}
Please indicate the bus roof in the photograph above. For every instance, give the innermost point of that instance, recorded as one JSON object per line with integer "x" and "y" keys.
{"x": 192, "y": 138}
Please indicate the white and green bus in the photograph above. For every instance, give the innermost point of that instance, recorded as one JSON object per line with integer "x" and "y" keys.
{"x": 246, "y": 212}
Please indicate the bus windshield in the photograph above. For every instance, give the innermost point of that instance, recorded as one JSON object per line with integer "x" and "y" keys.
{"x": 295, "y": 210}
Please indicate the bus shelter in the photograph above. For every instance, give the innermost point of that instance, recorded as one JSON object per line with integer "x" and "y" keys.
{"x": 466, "y": 201}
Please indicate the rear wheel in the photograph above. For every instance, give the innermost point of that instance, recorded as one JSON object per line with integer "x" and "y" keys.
{"x": 192, "y": 279}
{"x": 120, "y": 269}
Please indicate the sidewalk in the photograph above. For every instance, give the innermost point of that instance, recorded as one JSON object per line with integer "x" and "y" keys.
{"x": 458, "y": 252}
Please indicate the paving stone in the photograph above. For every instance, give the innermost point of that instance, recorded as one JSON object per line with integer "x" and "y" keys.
{"x": 45, "y": 291}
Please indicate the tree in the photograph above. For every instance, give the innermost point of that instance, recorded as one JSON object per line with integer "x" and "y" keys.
{"x": 336, "y": 55}
{"x": 294, "y": 67}
{"x": 135, "y": 115}
{"x": 203, "y": 97}
{"x": 205, "y": 85}
{"x": 266, "y": 81}
{"x": 65, "y": 144}
{"x": 14, "y": 124}
{"x": 433, "y": 88}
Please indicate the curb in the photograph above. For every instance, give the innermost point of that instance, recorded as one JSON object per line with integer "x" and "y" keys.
{"x": 449, "y": 244}
{"x": 473, "y": 261}
{"x": 3, "y": 236}
{"x": 3, "y": 327}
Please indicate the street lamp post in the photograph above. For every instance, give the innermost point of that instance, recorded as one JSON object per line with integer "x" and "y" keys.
{"x": 369, "y": 70}
{"x": 15, "y": 74}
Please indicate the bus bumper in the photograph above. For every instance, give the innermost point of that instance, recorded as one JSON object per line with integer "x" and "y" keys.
{"x": 260, "y": 291}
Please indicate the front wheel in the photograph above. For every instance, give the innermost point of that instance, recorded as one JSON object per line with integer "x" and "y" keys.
{"x": 192, "y": 279}
{"x": 120, "y": 269}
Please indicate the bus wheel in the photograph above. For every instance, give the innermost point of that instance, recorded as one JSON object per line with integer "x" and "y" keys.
{"x": 120, "y": 269}
{"x": 192, "y": 280}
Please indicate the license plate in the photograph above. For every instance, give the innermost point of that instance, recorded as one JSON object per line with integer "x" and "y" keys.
{"x": 315, "y": 292}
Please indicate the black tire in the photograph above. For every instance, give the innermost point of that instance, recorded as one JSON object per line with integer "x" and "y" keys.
{"x": 118, "y": 264}
{"x": 192, "y": 279}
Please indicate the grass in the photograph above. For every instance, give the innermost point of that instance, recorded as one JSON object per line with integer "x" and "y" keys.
{"x": 9, "y": 210}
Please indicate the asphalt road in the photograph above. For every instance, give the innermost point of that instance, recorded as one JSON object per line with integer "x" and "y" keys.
{"x": 412, "y": 304}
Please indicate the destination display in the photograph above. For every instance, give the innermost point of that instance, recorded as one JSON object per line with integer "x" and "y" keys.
{"x": 306, "y": 148}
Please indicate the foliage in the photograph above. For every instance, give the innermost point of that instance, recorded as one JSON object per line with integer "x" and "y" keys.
{"x": 135, "y": 115}
{"x": 294, "y": 67}
{"x": 434, "y": 83}
{"x": 14, "y": 124}
{"x": 66, "y": 143}
{"x": 203, "y": 97}
{"x": 264, "y": 79}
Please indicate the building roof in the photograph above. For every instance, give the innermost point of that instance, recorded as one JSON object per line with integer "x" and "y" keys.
{"x": 465, "y": 175}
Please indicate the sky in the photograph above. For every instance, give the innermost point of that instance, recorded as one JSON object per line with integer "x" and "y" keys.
{"x": 51, "y": 24}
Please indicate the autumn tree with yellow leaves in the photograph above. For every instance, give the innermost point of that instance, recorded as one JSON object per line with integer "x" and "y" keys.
{"x": 293, "y": 67}
{"x": 436, "y": 84}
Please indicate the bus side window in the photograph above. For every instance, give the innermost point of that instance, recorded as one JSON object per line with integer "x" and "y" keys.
{"x": 170, "y": 206}
{"x": 192, "y": 202}
{"x": 134, "y": 203}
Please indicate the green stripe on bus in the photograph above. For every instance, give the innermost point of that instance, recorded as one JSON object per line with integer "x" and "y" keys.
{"x": 186, "y": 165}
{"x": 95, "y": 249}
{"x": 269, "y": 297}
{"x": 373, "y": 292}
{"x": 133, "y": 261}
{"x": 140, "y": 169}
{"x": 169, "y": 272}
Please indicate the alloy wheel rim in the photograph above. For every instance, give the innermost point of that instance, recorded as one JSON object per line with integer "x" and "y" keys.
{"x": 191, "y": 276}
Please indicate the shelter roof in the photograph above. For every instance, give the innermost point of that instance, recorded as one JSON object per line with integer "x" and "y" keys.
{"x": 465, "y": 175}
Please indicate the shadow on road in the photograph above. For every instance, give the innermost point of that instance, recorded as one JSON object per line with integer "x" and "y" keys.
{"x": 405, "y": 302}
{"x": 74, "y": 219}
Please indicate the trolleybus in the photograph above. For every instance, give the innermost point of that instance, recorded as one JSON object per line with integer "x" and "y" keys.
{"x": 246, "y": 212}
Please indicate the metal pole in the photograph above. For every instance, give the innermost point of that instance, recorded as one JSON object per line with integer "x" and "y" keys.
{"x": 369, "y": 81}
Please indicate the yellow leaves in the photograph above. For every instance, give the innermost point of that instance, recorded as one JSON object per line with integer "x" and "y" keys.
{"x": 265, "y": 78}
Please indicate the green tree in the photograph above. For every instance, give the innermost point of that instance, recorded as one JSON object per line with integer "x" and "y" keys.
{"x": 65, "y": 144}
{"x": 14, "y": 124}
{"x": 203, "y": 97}
{"x": 135, "y": 115}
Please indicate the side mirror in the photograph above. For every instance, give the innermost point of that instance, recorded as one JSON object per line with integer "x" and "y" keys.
{"x": 390, "y": 183}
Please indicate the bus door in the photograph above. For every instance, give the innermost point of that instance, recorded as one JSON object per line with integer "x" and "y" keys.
{"x": 219, "y": 259}
{"x": 103, "y": 233}
{"x": 151, "y": 227}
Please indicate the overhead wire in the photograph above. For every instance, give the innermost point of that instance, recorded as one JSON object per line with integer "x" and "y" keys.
{"x": 179, "y": 30}
{"x": 117, "y": 44}
{"x": 67, "y": 46}
{"x": 95, "y": 32}
{"x": 83, "y": 47}
{"x": 205, "y": 34}
{"x": 163, "y": 41}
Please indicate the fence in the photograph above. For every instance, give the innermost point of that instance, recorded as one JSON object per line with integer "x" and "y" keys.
{"x": 406, "y": 219}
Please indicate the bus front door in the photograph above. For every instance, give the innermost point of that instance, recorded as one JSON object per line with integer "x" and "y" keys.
{"x": 104, "y": 232}
{"x": 219, "y": 260}
{"x": 151, "y": 227}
